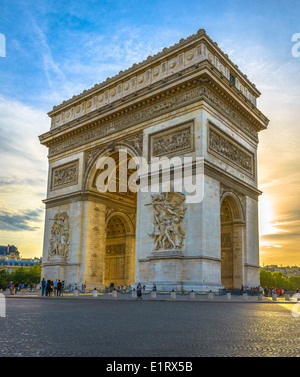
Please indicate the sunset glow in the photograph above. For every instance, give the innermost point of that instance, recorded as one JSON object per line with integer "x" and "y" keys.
{"x": 64, "y": 50}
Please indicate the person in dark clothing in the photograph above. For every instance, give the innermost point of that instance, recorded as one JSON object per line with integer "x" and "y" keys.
{"x": 58, "y": 288}
{"x": 44, "y": 284}
{"x": 139, "y": 290}
{"x": 48, "y": 288}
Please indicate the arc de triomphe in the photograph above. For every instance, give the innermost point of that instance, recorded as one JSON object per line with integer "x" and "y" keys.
{"x": 189, "y": 100}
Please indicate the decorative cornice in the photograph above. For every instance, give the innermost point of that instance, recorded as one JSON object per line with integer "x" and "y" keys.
{"x": 196, "y": 89}
{"x": 170, "y": 61}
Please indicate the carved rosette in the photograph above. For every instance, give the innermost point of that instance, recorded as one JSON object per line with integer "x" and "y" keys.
{"x": 168, "y": 228}
{"x": 59, "y": 242}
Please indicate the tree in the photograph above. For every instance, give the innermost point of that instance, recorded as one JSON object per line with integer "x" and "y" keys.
{"x": 266, "y": 278}
{"x": 279, "y": 279}
{"x": 4, "y": 279}
{"x": 31, "y": 275}
{"x": 294, "y": 283}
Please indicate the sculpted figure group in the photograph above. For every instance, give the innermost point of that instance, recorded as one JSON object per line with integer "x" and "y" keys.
{"x": 168, "y": 229}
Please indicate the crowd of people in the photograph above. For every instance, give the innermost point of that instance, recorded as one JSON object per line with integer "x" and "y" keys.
{"x": 14, "y": 288}
{"x": 280, "y": 292}
{"x": 58, "y": 287}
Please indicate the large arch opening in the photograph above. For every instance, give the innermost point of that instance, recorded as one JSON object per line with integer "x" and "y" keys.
{"x": 120, "y": 201}
{"x": 119, "y": 256}
{"x": 232, "y": 243}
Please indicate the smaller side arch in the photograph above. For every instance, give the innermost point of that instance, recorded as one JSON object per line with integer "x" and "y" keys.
{"x": 235, "y": 204}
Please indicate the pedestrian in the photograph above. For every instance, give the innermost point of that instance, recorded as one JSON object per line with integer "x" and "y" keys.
{"x": 55, "y": 288}
{"x": 48, "y": 288}
{"x": 58, "y": 288}
{"x": 44, "y": 284}
{"x": 16, "y": 286}
{"x": 154, "y": 287}
{"x": 62, "y": 287}
{"x": 139, "y": 290}
{"x": 11, "y": 287}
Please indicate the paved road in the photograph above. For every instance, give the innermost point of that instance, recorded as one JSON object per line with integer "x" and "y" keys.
{"x": 87, "y": 327}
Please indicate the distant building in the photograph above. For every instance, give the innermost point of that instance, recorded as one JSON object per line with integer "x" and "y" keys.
{"x": 10, "y": 259}
{"x": 10, "y": 265}
{"x": 9, "y": 252}
{"x": 288, "y": 271}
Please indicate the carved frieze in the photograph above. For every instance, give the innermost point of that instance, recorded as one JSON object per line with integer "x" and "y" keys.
{"x": 64, "y": 175}
{"x": 223, "y": 146}
{"x": 177, "y": 140}
{"x": 171, "y": 103}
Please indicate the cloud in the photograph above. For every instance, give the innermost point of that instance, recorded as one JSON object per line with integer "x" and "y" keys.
{"x": 21, "y": 221}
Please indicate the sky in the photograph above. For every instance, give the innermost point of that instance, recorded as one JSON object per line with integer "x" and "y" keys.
{"x": 56, "y": 49}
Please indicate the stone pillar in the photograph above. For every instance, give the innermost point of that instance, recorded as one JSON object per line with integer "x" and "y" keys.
{"x": 95, "y": 245}
{"x": 238, "y": 255}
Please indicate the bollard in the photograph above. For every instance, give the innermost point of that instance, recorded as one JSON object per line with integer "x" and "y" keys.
{"x": 153, "y": 294}
{"x": 245, "y": 296}
{"x": 228, "y": 295}
{"x": 95, "y": 293}
{"x": 211, "y": 295}
{"x": 274, "y": 297}
{"x": 192, "y": 295}
{"x": 114, "y": 293}
{"x": 173, "y": 294}
{"x": 134, "y": 294}
{"x": 260, "y": 297}
{"x": 2, "y": 305}
{"x": 76, "y": 292}
{"x": 287, "y": 297}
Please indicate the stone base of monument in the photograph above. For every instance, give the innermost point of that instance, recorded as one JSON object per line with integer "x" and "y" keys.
{"x": 95, "y": 293}
{"x": 192, "y": 295}
{"x": 153, "y": 294}
{"x": 114, "y": 294}
{"x": 134, "y": 294}
{"x": 173, "y": 295}
{"x": 76, "y": 293}
{"x": 228, "y": 296}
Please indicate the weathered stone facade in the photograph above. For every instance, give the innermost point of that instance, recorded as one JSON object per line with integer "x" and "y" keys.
{"x": 189, "y": 100}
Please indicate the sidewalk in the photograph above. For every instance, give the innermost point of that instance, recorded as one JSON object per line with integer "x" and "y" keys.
{"x": 163, "y": 296}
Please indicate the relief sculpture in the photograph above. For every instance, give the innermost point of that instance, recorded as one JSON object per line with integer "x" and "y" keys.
{"x": 225, "y": 148}
{"x": 168, "y": 228}
{"x": 59, "y": 242}
{"x": 172, "y": 142}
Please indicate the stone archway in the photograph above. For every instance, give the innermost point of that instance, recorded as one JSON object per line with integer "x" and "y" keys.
{"x": 110, "y": 237}
{"x": 120, "y": 251}
{"x": 232, "y": 242}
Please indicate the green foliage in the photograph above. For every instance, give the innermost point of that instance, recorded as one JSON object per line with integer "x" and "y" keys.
{"x": 31, "y": 275}
{"x": 266, "y": 278}
{"x": 276, "y": 279}
{"x": 4, "y": 279}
